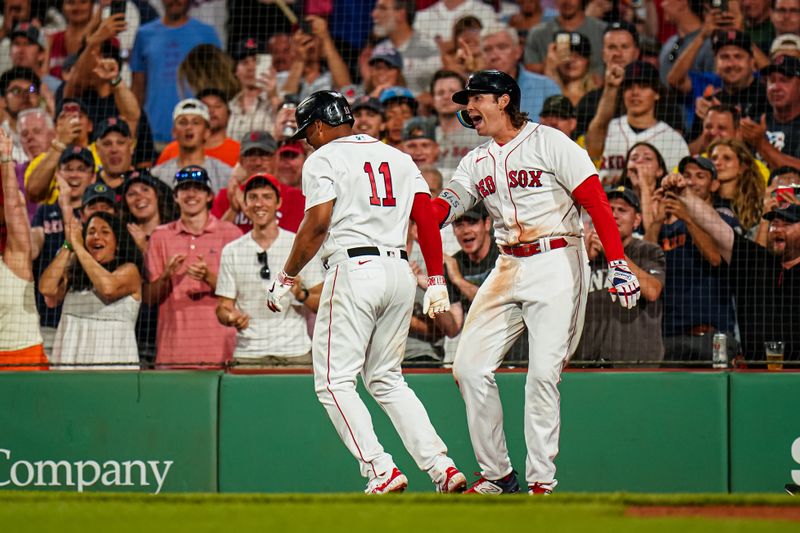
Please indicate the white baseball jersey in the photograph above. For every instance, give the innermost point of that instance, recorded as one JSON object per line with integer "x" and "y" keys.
{"x": 620, "y": 138}
{"x": 526, "y": 184}
{"x": 374, "y": 187}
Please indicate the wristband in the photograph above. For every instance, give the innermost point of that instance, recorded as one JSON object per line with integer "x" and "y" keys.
{"x": 116, "y": 81}
{"x": 285, "y": 279}
{"x": 67, "y": 245}
{"x": 58, "y": 145}
{"x": 436, "y": 280}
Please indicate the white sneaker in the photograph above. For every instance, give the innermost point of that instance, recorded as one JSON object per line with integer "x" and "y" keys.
{"x": 393, "y": 481}
{"x": 454, "y": 481}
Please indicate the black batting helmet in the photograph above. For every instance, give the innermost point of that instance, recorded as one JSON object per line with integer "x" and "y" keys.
{"x": 328, "y": 106}
{"x": 489, "y": 82}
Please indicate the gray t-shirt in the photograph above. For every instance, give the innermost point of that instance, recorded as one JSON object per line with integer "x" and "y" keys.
{"x": 674, "y": 47}
{"x": 540, "y": 37}
{"x": 614, "y": 333}
{"x": 218, "y": 172}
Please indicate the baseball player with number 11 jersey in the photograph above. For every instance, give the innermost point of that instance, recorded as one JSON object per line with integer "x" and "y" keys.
{"x": 534, "y": 181}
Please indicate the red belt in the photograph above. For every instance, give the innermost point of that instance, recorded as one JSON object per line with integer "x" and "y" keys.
{"x": 532, "y": 248}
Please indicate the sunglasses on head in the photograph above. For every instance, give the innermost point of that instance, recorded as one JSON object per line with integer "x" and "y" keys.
{"x": 262, "y": 260}
{"x": 191, "y": 175}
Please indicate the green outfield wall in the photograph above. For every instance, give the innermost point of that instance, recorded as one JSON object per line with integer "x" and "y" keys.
{"x": 206, "y": 431}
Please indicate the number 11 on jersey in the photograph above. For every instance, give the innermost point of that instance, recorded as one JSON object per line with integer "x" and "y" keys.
{"x": 389, "y": 200}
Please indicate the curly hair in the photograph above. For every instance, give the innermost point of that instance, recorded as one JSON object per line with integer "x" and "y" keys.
{"x": 126, "y": 252}
{"x": 747, "y": 202}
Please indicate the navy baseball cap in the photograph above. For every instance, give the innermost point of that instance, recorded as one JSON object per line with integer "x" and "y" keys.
{"x": 621, "y": 25}
{"x": 191, "y": 175}
{"x": 476, "y": 212}
{"x": 99, "y": 191}
{"x": 626, "y": 194}
{"x": 80, "y": 153}
{"x": 559, "y": 106}
{"x": 790, "y": 213}
{"x": 368, "y": 102}
{"x": 702, "y": 162}
{"x": 388, "y": 55}
{"x": 30, "y": 32}
{"x": 642, "y": 72}
{"x": 787, "y": 65}
{"x": 245, "y": 48}
{"x": 578, "y": 43}
{"x": 722, "y": 38}
{"x": 138, "y": 176}
{"x": 112, "y": 124}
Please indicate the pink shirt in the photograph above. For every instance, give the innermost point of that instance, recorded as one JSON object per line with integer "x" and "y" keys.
{"x": 188, "y": 331}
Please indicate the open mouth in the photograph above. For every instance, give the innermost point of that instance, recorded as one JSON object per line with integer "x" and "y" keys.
{"x": 477, "y": 119}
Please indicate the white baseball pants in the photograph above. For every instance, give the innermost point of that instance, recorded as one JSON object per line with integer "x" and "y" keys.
{"x": 362, "y": 326}
{"x": 547, "y": 294}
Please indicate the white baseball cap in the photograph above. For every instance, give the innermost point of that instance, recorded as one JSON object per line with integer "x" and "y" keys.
{"x": 785, "y": 43}
{"x": 190, "y": 106}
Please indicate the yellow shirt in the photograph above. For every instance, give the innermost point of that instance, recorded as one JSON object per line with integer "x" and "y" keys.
{"x": 52, "y": 196}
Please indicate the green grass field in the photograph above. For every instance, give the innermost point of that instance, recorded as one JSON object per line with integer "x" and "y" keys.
{"x": 87, "y": 513}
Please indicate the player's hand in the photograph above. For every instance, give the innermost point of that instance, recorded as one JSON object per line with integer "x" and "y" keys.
{"x": 624, "y": 284}
{"x": 435, "y": 300}
{"x": 280, "y": 288}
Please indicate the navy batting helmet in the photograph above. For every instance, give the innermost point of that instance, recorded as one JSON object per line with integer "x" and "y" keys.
{"x": 489, "y": 82}
{"x": 328, "y": 106}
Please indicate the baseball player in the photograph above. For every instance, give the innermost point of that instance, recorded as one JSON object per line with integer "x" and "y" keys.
{"x": 534, "y": 181}
{"x": 359, "y": 196}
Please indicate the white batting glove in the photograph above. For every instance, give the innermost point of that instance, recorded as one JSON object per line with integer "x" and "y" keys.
{"x": 435, "y": 300}
{"x": 624, "y": 284}
{"x": 280, "y": 288}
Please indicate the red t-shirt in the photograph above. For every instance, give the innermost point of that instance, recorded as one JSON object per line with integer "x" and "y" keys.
{"x": 293, "y": 205}
{"x": 227, "y": 152}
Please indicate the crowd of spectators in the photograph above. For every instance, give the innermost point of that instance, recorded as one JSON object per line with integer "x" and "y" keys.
{"x": 151, "y": 187}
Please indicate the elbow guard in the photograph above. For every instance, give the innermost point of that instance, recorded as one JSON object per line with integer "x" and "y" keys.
{"x": 457, "y": 201}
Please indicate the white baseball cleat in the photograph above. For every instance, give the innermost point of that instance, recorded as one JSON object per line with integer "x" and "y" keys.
{"x": 454, "y": 481}
{"x": 393, "y": 481}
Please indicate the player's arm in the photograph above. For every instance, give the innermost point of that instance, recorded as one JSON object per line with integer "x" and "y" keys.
{"x": 430, "y": 243}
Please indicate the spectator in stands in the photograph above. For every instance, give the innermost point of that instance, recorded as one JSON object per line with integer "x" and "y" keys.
{"x": 433, "y": 24}
{"x": 734, "y": 62}
{"x": 247, "y": 268}
{"x": 75, "y": 174}
{"x": 20, "y": 339}
{"x": 19, "y": 88}
{"x": 571, "y": 71}
{"x": 79, "y": 17}
{"x": 764, "y": 281}
{"x": 146, "y": 204}
{"x": 531, "y": 13}
{"x": 392, "y": 22}
{"x": 400, "y": 105}
{"x": 160, "y": 47}
{"x": 369, "y": 115}
{"x": 289, "y": 164}
{"x": 14, "y": 12}
{"x": 253, "y": 107}
{"x": 757, "y": 22}
{"x": 787, "y": 44}
{"x": 36, "y": 132}
{"x": 73, "y": 127}
{"x": 29, "y": 49}
{"x": 644, "y": 169}
{"x": 182, "y": 264}
{"x": 455, "y": 141}
{"x": 307, "y": 75}
{"x": 559, "y": 113}
{"x": 782, "y": 190}
{"x": 608, "y": 329}
{"x": 217, "y": 144}
{"x": 741, "y": 187}
{"x": 686, "y": 15}
{"x": 419, "y": 141}
{"x": 571, "y": 18}
{"x": 468, "y": 268}
{"x": 776, "y": 134}
{"x": 620, "y": 47}
{"x": 281, "y": 48}
{"x": 698, "y": 302}
{"x": 502, "y": 51}
{"x": 785, "y": 16}
{"x": 191, "y": 128}
{"x": 97, "y": 274}
{"x": 610, "y": 138}
{"x": 462, "y": 54}
{"x": 384, "y": 70}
